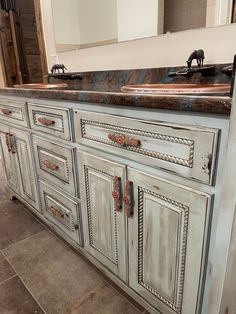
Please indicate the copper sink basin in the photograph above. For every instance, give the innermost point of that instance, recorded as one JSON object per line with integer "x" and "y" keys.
{"x": 41, "y": 86}
{"x": 177, "y": 89}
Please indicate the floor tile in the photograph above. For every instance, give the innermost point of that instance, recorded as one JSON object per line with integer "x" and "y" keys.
{"x": 6, "y": 270}
{"x": 15, "y": 298}
{"x": 16, "y": 224}
{"x": 54, "y": 274}
{"x": 102, "y": 300}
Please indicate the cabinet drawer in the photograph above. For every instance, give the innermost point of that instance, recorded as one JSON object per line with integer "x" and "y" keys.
{"x": 55, "y": 121}
{"x": 55, "y": 164}
{"x": 13, "y": 111}
{"x": 61, "y": 211}
{"x": 189, "y": 151}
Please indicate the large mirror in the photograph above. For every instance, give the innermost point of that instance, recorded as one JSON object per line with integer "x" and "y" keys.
{"x": 88, "y": 23}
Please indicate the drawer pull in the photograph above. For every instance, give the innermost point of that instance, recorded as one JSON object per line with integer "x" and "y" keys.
{"x": 124, "y": 140}
{"x": 50, "y": 165}
{"x": 55, "y": 212}
{"x": 8, "y": 142}
{"x": 46, "y": 121}
{"x": 6, "y": 112}
{"x": 116, "y": 193}
{"x": 12, "y": 143}
{"x": 128, "y": 199}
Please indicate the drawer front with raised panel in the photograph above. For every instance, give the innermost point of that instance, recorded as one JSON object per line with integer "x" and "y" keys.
{"x": 189, "y": 151}
{"x": 13, "y": 111}
{"x": 55, "y": 164}
{"x": 61, "y": 211}
{"x": 55, "y": 121}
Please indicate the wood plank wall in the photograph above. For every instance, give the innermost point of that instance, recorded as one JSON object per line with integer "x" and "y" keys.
{"x": 29, "y": 40}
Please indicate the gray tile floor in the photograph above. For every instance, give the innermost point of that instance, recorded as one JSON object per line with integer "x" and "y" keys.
{"x": 40, "y": 273}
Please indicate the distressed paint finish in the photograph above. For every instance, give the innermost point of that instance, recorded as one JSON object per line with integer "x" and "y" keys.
{"x": 9, "y": 161}
{"x": 104, "y": 228}
{"x": 68, "y": 218}
{"x": 176, "y": 148}
{"x": 26, "y": 168}
{"x": 59, "y": 118}
{"x": 62, "y": 157}
{"x": 167, "y": 237}
{"x": 17, "y": 112}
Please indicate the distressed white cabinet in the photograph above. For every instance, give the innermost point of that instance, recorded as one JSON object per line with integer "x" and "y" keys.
{"x": 167, "y": 237}
{"x": 23, "y": 153}
{"x": 9, "y": 159}
{"x": 18, "y": 162}
{"x": 104, "y": 227}
{"x": 131, "y": 189}
{"x": 167, "y": 232}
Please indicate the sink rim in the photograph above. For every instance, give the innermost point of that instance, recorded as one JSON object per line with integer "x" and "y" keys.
{"x": 41, "y": 85}
{"x": 179, "y": 89}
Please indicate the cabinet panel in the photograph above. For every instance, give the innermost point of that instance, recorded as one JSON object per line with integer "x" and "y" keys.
{"x": 55, "y": 163}
{"x": 61, "y": 211}
{"x": 176, "y": 148}
{"x": 9, "y": 160}
{"x": 167, "y": 237}
{"x": 55, "y": 121}
{"x": 13, "y": 111}
{"x": 104, "y": 227}
{"x": 27, "y": 175}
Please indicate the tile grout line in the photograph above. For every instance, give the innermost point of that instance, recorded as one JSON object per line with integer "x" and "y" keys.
{"x": 10, "y": 246}
{"x": 123, "y": 297}
{"x": 8, "y": 278}
{"x": 41, "y": 222}
{"x": 24, "y": 284}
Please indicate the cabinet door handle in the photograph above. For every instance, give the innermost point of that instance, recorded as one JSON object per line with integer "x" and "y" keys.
{"x": 45, "y": 121}
{"x": 50, "y": 165}
{"x": 6, "y": 112}
{"x": 12, "y": 143}
{"x": 55, "y": 212}
{"x": 8, "y": 143}
{"x": 124, "y": 140}
{"x": 128, "y": 199}
{"x": 117, "y": 193}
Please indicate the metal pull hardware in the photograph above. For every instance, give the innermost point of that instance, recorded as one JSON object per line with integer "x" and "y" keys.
{"x": 6, "y": 112}
{"x": 7, "y": 135}
{"x": 46, "y": 121}
{"x": 128, "y": 199}
{"x": 50, "y": 165}
{"x": 55, "y": 212}
{"x": 12, "y": 143}
{"x": 117, "y": 193}
{"x": 124, "y": 140}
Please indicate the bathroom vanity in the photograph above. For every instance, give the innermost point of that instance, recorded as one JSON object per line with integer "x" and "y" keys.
{"x": 133, "y": 186}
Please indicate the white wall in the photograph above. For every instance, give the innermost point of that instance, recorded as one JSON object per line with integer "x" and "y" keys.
{"x": 136, "y": 18}
{"x": 66, "y": 21}
{"x": 96, "y": 25}
{"x": 166, "y": 50}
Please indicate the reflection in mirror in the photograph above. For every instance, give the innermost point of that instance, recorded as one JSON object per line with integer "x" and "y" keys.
{"x": 89, "y": 23}
{"x": 234, "y": 12}
{"x": 181, "y": 15}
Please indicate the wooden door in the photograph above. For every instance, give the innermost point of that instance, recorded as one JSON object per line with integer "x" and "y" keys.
{"x": 8, "y": 159}
{"x": 27, "y": 175}
{"x": 104, "y": 227}
{"x": 167, "y": 236}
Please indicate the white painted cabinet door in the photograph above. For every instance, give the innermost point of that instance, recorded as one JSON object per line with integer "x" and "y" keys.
{"x": 27, "y": 174}
{"x": 167, "y": 238}
{"x": 9, "y": 160}
{"x": 104, "y": 228}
